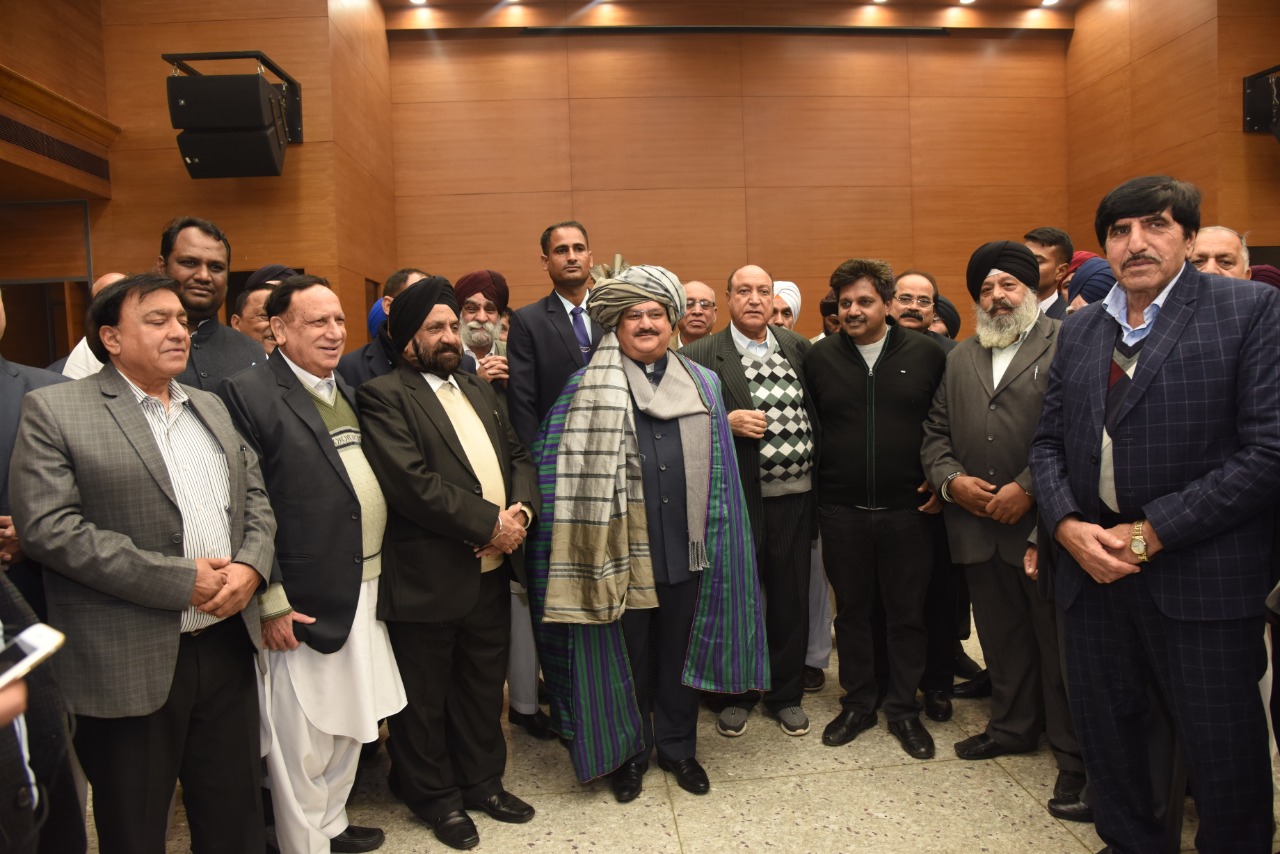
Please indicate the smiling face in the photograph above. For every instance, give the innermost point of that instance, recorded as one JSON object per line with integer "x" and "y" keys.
{"x": 862, "y": 312}
{"x": 198, "y": 263}
{"x": 644, "y": 331}
{"x": 751, "y": 301}
{"x": 436, "y": 347}
{"x": 1146, "y": 252}
{"x": 313, "y": 331}
{"x": 151, "y": 342}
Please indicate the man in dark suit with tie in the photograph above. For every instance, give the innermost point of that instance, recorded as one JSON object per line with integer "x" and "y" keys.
{"x": 461, "y": 491}
{"x": 553, "y": 337}
{"x": 149, "y": 515}
{"x": 1052, "y": 249}
{"x": 1156, "y": 467}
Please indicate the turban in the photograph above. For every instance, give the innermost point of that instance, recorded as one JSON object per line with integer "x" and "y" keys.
{"x": 412, "y": 305}
{"x": 269, "y": 273}
{"x": 634, "y": 285}
{"x": 790, "y": 295}
{"x": 377, "y": 317}
{"x": 1005, "y": 256}
{"x": 829, "y": 304}
{"x": 488, "y": 283}
{"x": 946, "y": 311}
{"x": 1266, "y": 274}
{"x": 1093, "y": 281}
{"x": 1077, "y": 259}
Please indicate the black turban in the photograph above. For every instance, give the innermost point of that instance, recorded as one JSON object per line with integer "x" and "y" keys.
{"x": 1005, "y": 256}
{"x": 269, "y": 273}
{"x": 946, "y": 311}
{"x": 412, "y": 305}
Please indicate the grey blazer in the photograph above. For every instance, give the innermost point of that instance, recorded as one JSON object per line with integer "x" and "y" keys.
{"x": 986, "y": 432}
{"x": 94, "y": 503}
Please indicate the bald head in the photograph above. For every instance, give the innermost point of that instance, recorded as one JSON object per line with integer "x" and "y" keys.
{"x": 1221, "y": 251}
{"x": 103, "y": 281}
{"x": 750, "y": 298}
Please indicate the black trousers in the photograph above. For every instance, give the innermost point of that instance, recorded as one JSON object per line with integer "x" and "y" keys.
{"x": 446, "y": 745}
{"x": 783, "y": 563}
{"x": 663, "y": 633}
{"x": 1119, "y": 645}
{"x": 205, "y": 734}
{"x": 1028, "y": 689}
{"x": 866, "y": 550}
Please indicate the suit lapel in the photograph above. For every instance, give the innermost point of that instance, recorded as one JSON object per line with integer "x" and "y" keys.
{"x": 1037, "y": 341}
{"x": 1175, "y": 314}
{"x": 128, "y": 416}
{"x": 425, "y": 398}
{"x": 732, "y": 375}
{"x": 563, "y": 325}
{"x": 298, "y": 399}
{"x": 980, "y": 360}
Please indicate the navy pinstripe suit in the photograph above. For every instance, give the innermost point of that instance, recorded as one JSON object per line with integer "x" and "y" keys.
{"x": 1197, "y": 452}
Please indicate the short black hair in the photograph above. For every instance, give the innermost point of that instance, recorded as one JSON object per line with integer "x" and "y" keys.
{"x": 1148, "y": 195}
{"x": 568, "y": 223}
{"x": 176, "y": 226}
{"x": 104, "y": 310}
{"x": 243, "y": 299}
{"x": 879, "y": 272}
{"x": 282, "y": 296}
{"x": 395, "y": 283}
{"x": 922, "y": 274}
{"x": 1056, "y": 238}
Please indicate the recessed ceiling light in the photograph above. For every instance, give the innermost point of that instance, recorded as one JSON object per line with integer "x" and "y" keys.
{"x": 877, "y": 1}
{"x": 965, "y": 2}
{"x": 418, "y": 2}
{"x": 1048, "y": 2}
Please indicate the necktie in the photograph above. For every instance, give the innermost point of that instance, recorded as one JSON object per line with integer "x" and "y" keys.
{"x": 479, "y": 450}
{"x": 580, "y": 329}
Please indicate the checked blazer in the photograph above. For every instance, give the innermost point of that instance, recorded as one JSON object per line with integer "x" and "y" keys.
{"x": 1196, "y": 444}
{"x": 94, "y": 503}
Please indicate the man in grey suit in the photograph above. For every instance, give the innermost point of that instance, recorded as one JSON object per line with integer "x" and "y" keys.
{"x": 149, "y": 514}
{"x": 975, "y": 455}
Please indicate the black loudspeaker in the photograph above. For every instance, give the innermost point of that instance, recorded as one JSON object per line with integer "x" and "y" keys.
{"x": 233, "y": 125}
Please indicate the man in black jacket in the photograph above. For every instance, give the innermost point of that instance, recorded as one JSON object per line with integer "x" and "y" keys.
{"x": 872, "y": 384}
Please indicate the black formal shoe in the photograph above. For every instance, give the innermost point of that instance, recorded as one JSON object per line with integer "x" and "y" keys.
{"x": 356, "y": 839}
{"x": 457, "y": 830}
{"x": 1070, "y": 808}
{"x": 937, "y": 705}
{"x": 966, "y": 667}
{"x": 982, "y": 746}
{"x": 846, "y": 726}
{"x": 503, "y": 806}
{"x": 814, "y": 679}
{"x": 628, "y": 780}
{"x": 544, "y": 695}
{"x": 1068, "y": 785}
{"x": 913, "y": 737}
{"x": 689, "y": 774}
{"x": 973, "y": 689}
{"x": 537, "y": 724}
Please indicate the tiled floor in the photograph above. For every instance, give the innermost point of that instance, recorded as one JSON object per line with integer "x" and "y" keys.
{"x": 769, "y": 792}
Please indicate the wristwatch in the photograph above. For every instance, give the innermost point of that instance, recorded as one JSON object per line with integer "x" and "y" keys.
{"x": 1138, "y": 543}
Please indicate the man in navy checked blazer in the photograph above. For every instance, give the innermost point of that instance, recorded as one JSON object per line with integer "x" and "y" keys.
{"x": 1156, "y": 464}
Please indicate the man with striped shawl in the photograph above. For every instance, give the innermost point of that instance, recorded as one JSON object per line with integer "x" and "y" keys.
{"x": 644, "y": 546}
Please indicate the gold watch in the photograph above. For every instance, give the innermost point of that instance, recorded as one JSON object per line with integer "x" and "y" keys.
{"x": 1138, "y": 543}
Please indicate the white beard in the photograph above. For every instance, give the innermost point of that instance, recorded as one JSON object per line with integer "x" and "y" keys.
{"x": 999, "y": 332}
{"x": 481, "y": 338}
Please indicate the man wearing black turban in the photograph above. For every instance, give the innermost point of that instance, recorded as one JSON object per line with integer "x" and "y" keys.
{"x": 461, "y": 492}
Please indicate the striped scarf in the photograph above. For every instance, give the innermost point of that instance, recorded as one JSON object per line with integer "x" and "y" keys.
{"x": 586, "y": 666}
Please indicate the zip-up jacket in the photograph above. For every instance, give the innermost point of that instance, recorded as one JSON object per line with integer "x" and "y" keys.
{"x": 873, "y": 418}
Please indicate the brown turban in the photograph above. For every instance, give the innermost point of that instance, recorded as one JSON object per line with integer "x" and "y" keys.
{"x": 489, "y": 283}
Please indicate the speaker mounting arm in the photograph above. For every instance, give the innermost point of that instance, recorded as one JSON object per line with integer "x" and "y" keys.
{"x": 290, "y": 89}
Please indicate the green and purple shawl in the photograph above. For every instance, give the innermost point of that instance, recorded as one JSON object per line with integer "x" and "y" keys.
{"x": 586, "y": 667}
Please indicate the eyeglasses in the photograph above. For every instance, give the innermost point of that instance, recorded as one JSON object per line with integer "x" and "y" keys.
{"x": 907, "y": 299}
{"x": 704, "y": 304}
{"x": 635, "y": 314}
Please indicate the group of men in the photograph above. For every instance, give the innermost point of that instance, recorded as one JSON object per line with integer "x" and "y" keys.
{"x": 384, "y": 534}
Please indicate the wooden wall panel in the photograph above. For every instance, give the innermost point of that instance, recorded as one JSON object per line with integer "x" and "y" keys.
{"x": 58, "y": 44}
{"x": 696, "y": 233}
{"x": 1185, "y": 68}
{"x": 820, "y": 142}
{"x": 362, "y": 111}
{"x": 364, "y": 222}
{"x": 482, "y": 147}
{"x": 638, "y": 143}
{"x": 988, "y": 142}
{"x": 42, "y": 242}
{"x": 966, "y": 66}
{"x": 479, "y": 69}
{"x": 623, "y": 66}
{"x": 453, "y": 235}
{"x": 1155, "y": 24}
{"x": 1100, "y": 126}
{"x": 147, "y": 12}
{"x": 1100, "y": 44}
{"x": 790, "y": 66}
